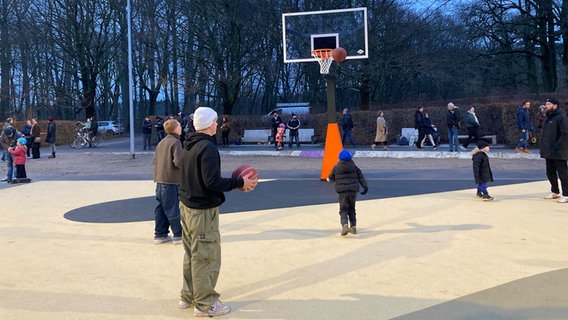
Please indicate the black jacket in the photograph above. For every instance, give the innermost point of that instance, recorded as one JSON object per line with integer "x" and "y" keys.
{"x": 453, "y": 118}
{"x": 554, "y": 141}
{"x": 481, "y": 168}
{"x": 347, "y": 177}
{"x": 201, "y": 185}
{"x": 51, "y": 129}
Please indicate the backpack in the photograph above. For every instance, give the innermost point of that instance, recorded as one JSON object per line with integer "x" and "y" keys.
{"x": 403, "y": 141}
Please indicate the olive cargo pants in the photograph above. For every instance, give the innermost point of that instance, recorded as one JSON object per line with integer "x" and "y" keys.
{"x": 202, "y": 260}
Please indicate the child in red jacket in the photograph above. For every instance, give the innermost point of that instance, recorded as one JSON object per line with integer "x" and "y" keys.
{"x": 19, "y": 152}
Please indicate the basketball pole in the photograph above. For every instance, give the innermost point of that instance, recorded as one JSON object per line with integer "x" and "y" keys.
{"x": 333, "y": 144}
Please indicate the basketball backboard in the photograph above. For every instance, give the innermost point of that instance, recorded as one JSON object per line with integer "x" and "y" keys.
{"x": 303, "y": 32}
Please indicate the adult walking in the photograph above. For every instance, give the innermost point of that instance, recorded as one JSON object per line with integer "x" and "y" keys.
{"x": 36, "y": 136}
{"x": 294, "y": 127}
{"x": 382, "y": 132}
{"x": 347, "y": 126}
{"x": 167, "y": 176}
{"x": 201, "y": 193}
{"x": 554, "y": 149}
{"x": 419, "y": 125}
{"x": 453, "y": 122}
{"x": 51, "y": 135}
{"x": 472, "y": 125}
{"x": 523, "y": 126}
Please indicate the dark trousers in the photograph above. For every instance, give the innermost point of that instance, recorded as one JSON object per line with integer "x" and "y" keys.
{"x": 225, "y": 137}
{"x": 21, "y": 171}
{"x": 347, "y": 208}
{"x": 347, "y": 134}
{"x": 166, "y": 213}
{"x": 557, "y": 169}
{"x": 35, "y": 150}
{"x": 472, "y": 136}
{"x": 421, "y": 135}
{"x": 294, "y": 135}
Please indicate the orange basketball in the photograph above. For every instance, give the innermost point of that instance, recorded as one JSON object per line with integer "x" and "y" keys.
{"x": 339, "y": 54}
{"x": 243, "y": 171}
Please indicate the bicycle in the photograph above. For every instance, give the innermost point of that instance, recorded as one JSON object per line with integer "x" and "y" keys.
{"x": 83, "y": 140}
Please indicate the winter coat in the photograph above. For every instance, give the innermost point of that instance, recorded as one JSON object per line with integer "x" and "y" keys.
{"x": 453, "y": 118}
{"x": 167, "y": 160}
{"x": 347, "y": 123}
{"x": 201, "y": 185}
{"x": 481, "y": 168}
{"x": 418, "y": 120}
{"x": 51, "y": 129}
{"x": 19, "y": 154}
{"x": 523, "y": 119}
{"x": 147, "y": 127}
{"x": 554, "y": 141}
{"x": 381, "y": 135}
{"x": 347, "y": 177}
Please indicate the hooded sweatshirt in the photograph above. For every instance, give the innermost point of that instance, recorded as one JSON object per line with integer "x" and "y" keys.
{"x": 202, "y": 186}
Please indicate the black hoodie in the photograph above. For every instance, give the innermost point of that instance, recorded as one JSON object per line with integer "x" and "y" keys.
{"x": 201, "y": 185}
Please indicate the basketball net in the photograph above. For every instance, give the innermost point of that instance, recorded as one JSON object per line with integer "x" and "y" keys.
{"x": 324, "y": 58}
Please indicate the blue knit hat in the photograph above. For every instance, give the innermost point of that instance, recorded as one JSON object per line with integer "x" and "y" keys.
{"x": 345, "y": 155}
{"x": 22, "y": 140}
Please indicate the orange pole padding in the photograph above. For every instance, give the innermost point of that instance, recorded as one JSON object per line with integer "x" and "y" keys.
{"x": 333, "y": 147}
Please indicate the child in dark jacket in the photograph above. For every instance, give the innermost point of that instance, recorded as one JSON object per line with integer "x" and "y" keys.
{"x": 347, "y": 177}
{"x": 481, "y": 169}
{"x": 19, "y": 153}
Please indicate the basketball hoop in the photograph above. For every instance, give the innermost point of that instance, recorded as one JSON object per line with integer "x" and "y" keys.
{"x": 324, "y": 58}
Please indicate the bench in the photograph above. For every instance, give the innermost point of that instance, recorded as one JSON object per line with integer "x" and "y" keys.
{"x": 264, "y": 136}
{"x": 493, "y": 137}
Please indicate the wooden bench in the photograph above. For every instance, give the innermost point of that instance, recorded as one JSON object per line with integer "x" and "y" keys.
{"x": 264, "y": 136}
{"x": 493, "y": 137}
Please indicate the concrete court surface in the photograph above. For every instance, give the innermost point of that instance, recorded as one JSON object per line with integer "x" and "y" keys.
{"x": 432, "y": 256}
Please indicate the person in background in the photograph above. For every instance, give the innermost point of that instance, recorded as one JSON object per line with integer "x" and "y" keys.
{"x": 8, "y": 123}
{"x": 293, "y": 130}
{"x": 541, "y": 117}
{"x": 472, "y": 125}
{"x": 275, "y": 122}
{"x": 19, "y": 154}
{"x": 429, "y": 132}
{"x": 36, "y": 136}
{"x": 8, "y": 139}
{"x": 27, "y": 134}
{"x": 147, "y": 132}
{"x": 167, "y": 176}
{"x": 554, "y": 149}
{"x": 523, "y": 126}
{"x": 347, "y": 126}
{"x": 185, "y": 129}
{"x": 481, "y": 169}
{"x": 453, "y": 122}
{"x": 225, "y": 131}
{"x": 347, "y": 178}
{"x": 419, "y": 125}
{"x": 201, "y": 194}
{"x": 382, "y": 132}
{"x": 51, "y": 135}
{"x": 159, "y": 126}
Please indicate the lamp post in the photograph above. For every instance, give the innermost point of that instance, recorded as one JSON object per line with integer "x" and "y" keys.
{"x": 130, "y": 80}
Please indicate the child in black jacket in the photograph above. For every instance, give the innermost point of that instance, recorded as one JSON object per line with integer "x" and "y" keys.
{"x": 481, "y": 169}
{"x": 347, "y": 177}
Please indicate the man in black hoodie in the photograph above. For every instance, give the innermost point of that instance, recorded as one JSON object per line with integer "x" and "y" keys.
{"x": 201, "y": 193}
{"x": 554, "y": 149}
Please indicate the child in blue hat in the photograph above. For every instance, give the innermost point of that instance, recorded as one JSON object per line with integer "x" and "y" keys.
{"x": 347, "y": 177}
{"x": 19, "y": 153}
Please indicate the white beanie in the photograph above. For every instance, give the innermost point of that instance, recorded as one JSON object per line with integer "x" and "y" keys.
{"x": 203, "y": 118}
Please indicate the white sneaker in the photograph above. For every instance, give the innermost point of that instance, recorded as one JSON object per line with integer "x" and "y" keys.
{"x": 552, "y": 195}
{"x": 184, "y": 305}
{"x": 218, "y": 308}
{"x": 563, "y": 199}
{"x": 160, "y": 240}
{"x": 177, "y": 240}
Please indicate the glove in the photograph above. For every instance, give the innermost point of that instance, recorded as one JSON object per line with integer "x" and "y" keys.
{"x": 364, "y": 192}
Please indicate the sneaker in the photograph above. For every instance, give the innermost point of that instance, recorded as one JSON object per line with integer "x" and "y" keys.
{"x": 526, "y": 151}
{"x": 160, "y": 240}
{"x": 353, "y": 230}
{"x": 218, "y": 308}
{"x": 177, "y": 240}
{"x": 184, "y": 305}
{"x": 563, "y": 199}
{"x": 344, "y": 230}
{"x": 519, "y": 150}
{"x": 4, "y": 180}
{"x": 486, "y": 197}
{"x": 552, "y": 195}
{"x": 479, "y": 195}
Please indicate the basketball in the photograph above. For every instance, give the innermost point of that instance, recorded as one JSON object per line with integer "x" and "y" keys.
{"x": 339, "y": 54}
{"x": 244, "y": 171}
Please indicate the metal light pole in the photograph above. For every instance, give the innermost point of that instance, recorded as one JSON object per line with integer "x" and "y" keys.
{"x": 130, "y": 80}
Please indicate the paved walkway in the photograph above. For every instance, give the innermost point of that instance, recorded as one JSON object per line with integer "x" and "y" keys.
{"x": 433, "y": 256}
